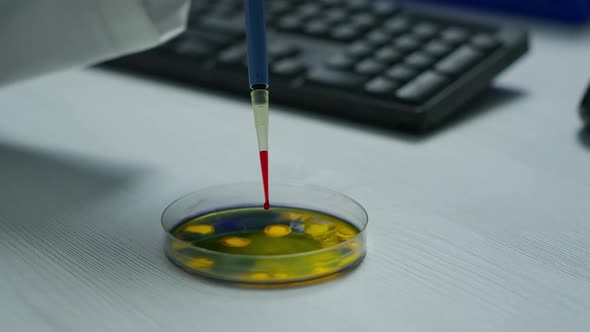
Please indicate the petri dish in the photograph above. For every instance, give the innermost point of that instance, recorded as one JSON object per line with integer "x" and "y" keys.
{"x": 310, "y": 234}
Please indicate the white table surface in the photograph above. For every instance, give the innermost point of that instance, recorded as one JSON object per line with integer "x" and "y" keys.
{"x": 482, "y": 226}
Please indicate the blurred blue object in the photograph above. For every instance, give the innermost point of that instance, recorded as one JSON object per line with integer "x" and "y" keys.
{"x": 572, "y": 11}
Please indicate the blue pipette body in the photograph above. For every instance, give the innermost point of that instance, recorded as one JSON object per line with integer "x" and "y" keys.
{"x": 256, "y": 36}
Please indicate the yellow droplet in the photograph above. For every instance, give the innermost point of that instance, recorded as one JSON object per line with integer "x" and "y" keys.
{"x": 354, "y": 244}
{"x": 178, "y": 245}
{"x": 321, "y": 270}
{"x": 277, "y": 230}
{"x": 199, "y": 262}
{"x": 293, "y": 216}
{"x": 235, "y": 241}
{"x": 345, "y": 232}
{"x": 326, "y": 257}
{"x": 259, "y": 276}
{"x": 200, "y": 229}
{"x": 281, "y": 276}
{"x": 347, "y": 260}
{"x": 329, "y": 242}
{"x": 316, "y": 229}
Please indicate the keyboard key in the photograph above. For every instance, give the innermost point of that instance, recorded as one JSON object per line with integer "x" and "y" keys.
{"x": 397, "y": 25}
{"x": 234, "y": 55}
{"x": 357, "y": 5}
{"x": 437, "y": 48}
{"x": 290, "y": 23}
{"x": 335, "y": 16}
{"x": 407, "y": 43}
{"x": 330, "y": 3}
{"x": 316, "y": 27}
{"x": 419, "y": 60}
{"x": 369, "y": 67}
{"x": 384, "y": 9}
{"x": 484, "y": 42}
{"x": 288, "y": 67}
{"x": 359, "y": 49}
{"x": 277, "y": 8}
{"x": 218, "y": 24}
{"x": 378, "y": 37}
{"x": 195, "y": 48}
{"x": 425, "y": 30}
{"x": 421, "y": 87}
{"x": 216, "y": 38}
{"x": 387, "y": 54}
{"x": 345, "y": 33}
{"x": 454, "y": 35}
{"x": 309, "y": 10}
{"x": 278, "y": 49}
{"x": 199, "y": 7}
{"x": 332, "y": 78}
{"x": 223, "y": 10}
{"x": 380, "y": 86}
{"x": 363, "y": 20}
{"x": 229, "y": 3}
{"x": 458, "y": 61}
{"x": 341, "y": 61}
{"x": 401, "y": 73}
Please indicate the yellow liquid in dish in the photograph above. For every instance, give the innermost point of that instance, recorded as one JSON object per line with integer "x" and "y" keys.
{"x": 252, "y": 245}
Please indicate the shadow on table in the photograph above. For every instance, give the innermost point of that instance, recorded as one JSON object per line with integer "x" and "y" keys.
{"x": 69, "y": 212}
{"x": 494, "y": 99}
{"x": 584, "y": 137}
{"x": 39, "y": 186}
{"x": 491, "y": 100}
{"x": 562, "y": 32}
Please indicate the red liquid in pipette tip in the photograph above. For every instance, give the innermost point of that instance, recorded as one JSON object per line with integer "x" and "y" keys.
{"x": 264, "y": 167}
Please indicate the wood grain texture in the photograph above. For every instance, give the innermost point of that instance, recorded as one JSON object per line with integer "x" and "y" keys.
{"x": 482, "y": 227}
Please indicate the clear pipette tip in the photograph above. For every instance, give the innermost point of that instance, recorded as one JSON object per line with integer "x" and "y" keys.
{"x": 260, "y": 107}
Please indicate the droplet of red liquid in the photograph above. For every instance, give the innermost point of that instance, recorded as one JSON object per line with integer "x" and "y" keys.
{"x": 264, "y": 167}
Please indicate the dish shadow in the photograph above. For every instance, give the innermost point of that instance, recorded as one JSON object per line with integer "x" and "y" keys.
{"x": 584, "y": 137}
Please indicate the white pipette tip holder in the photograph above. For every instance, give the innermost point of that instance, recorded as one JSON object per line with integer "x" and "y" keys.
{"x": 260, "y": 105}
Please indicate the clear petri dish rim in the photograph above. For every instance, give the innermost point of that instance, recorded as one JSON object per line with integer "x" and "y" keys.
{"x": 169, "y": 223}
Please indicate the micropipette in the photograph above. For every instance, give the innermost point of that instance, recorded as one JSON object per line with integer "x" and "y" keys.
{"x": 258, "y": 78}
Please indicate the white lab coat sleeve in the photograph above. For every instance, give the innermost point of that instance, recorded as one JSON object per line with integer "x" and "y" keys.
{"x": 43, "y": 36}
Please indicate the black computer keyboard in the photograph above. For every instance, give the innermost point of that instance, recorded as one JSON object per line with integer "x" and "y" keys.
{"x": 370, "y": 61}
